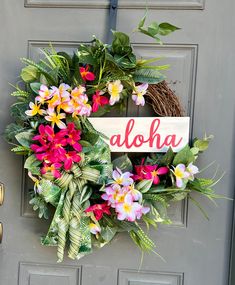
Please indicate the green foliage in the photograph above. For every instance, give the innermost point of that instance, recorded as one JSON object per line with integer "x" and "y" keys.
{"x": 12, "y": 130}
{"x": 41, "y": 206}
{"x": 24, "y": 138}
{"x": 203, "y": 144}
{"x": 144, "y": 185}
{"x": 123, "y": 163}
{"x": 150, "y": 76}
{"x": 29, "y": 73}
{"x": 156, "y": 30}
{"x": 32, "y": 164}
{"x": 50, "y": 192}
{"x": 184, "y": 156}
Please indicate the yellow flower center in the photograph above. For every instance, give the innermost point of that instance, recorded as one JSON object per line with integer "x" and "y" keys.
{"x": 179, "y": 173}
{"x": 127, "y": 208}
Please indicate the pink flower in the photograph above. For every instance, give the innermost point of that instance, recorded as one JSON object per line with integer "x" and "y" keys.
{"x": 94, "y": 229}
{"x": 44, "y": 94}
{"x": 99, "y": 210}
{"x": 86, "y": 74}
{"x": 138, "y": 94}
{"x": 73, "y": 136}
{"x": 120, "y": 178}
{"x": 114, "y": 195}
{"x": 150, "y": 172}
{"x": 129, "y": 211}
{"x": 52, "y": 168}
{"x": 192, "y": 170}
{"x": 155, "y": 172}
{"x": 70, "y": 157}
{"x": 181, "y": 175}
{"x": 98, "y": 101}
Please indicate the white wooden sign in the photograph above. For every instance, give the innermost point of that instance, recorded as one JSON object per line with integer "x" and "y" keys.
{"x": 144, "y": 134}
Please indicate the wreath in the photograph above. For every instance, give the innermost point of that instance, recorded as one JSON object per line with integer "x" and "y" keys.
{"x": 94, "y": 197}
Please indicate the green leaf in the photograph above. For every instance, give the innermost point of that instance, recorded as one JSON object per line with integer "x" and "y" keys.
{"x": 203, "y": 144}
{"x": 17, "y": 111}
{"x": 142, "y": 21}
{"x": 184, "y": 156}
{"x": 11, "y": 131}
{"x": 150, "y": 76}
{"x": 32, "y": 164}
{"x": 121, "y": 43}
{"x": 153, "y": 29}
{"x": 108, "y": 233}
{"x": 24, "y": 138}
{"x": 50, "y": 192}
{"x": 35, "y": 86}
{"x": 123, "y": 162}
{"x": 21, "y": 150}
{"x": 166, "y": 29}
{"x": 144, "y": 185}
{"x": 29, "y": 73}
{"x": 20, "y": 93}
{"x": 40, "y": 205}
{"x": 167, "y": 158}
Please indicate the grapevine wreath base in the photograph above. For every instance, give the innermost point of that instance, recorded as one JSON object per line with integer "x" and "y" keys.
{"x": 94, "y": 197}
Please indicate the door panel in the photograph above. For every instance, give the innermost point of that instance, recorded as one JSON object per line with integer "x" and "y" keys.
{"x": 202, "y": 70}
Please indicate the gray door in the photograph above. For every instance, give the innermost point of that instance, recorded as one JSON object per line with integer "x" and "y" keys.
{"x": 203, "y": 67}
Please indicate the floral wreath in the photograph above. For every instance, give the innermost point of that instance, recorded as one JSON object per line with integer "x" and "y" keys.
{"x": 95, "y": 197}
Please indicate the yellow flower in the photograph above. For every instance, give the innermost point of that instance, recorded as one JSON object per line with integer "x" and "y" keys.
{"x": 114, "y": 89}
{"x": 35, "y": 109}
{"x": 56, "y": 119}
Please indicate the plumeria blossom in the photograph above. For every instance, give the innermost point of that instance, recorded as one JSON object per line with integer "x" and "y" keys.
{"x": 37, "y": 187}
{"x": 138, "y": 94}
{"x": 94, "y": 229}
{"x": 132, "y": 194}
{"x": 192, "y": 170}
{"x": 44, "y": 94}
{"x": 56, "y": 119}
{"x": 114, "y": 89}
{"x": 98, "y": 101}
{"x": 124, "y": 198}
{"x": 85, "y": 107}
{"x": 181, "y": 175}
{"x": 35, "y": 109}
{"x": 114, "y": 195}
{"x": 120, "y": 178}
{"x": 99, "y": 210}
{"x": 86, "y": 74}
{"x": 130, "y": 211}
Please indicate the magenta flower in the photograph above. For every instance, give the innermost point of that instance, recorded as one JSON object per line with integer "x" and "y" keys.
{"x": 73, "y": 136}
{"x": 70, "y": 157}
{"x": 150, "y": 172}
{"x": 52, "y": 168}
{"x": 99, "y": 210}
{"x": 155, "y": 172}
{"x": 98, "y": 101}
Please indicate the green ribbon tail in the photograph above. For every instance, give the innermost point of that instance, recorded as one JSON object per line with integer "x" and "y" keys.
{"x": 63, "y": 224}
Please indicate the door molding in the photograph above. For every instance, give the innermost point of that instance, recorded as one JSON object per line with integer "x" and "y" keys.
{"x": 123, "y": 4}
